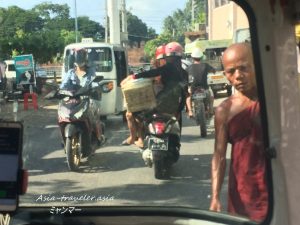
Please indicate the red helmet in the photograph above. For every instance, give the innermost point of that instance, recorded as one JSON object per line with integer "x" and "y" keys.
{"x": 160, "y": 52}
{"x": 173, "y": 49}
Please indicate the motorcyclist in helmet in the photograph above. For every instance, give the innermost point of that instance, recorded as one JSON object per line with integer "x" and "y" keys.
{"x": 160, "y": 60}
{"x": 199, "y": 71}
{"x": 173, "y": 77}
{"x": 134, "y": 125}
{"x": 82, "y": 74}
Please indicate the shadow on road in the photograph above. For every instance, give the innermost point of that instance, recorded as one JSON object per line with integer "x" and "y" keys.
{"x": 112, "y": 161}
{"x": 173, "y": 192}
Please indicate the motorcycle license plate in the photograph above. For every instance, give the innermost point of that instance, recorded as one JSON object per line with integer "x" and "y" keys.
{"x": 158, "y": 144}
{"x": 199, "y": 96}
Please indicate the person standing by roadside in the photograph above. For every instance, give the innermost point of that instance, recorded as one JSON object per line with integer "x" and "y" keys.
{"x": 237, "y": 121}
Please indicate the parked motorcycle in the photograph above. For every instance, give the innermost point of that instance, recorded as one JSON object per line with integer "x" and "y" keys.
{"x": 161, "y": 143}
{"x": 77, "y": 117}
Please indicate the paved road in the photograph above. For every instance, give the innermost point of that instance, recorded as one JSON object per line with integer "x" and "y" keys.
{"x": 115, "y": 175}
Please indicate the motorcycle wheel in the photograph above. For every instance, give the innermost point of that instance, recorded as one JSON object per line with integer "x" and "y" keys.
{"x": 202, "y": 120}
{"x": 160, "y": 168}
{"x": 73, "y": 146}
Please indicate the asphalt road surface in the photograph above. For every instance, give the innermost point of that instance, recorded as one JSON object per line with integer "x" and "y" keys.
{"x": 114, "y": 175}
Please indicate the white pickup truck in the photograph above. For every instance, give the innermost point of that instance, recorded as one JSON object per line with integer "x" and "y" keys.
{"x": 218, "y": 82}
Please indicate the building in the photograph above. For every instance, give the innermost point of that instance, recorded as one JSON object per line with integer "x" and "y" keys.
{"x": 224, "y": 18}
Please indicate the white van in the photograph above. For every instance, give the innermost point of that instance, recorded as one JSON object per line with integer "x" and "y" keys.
{"x": 110, "y": 62}
{"x": 10, "y": 71}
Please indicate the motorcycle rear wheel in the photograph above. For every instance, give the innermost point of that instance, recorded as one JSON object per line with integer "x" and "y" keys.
{"x": 202, "y": 120}
{"x": 73, "y": 151}
{"x": 161, "y": 171}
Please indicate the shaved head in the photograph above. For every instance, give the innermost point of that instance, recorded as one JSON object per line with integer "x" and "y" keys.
{"x": 239, "y": 68}
{"x": 238, "y": 50}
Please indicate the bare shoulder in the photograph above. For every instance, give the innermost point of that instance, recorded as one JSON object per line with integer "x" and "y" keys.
{"x": 224, "y": 107}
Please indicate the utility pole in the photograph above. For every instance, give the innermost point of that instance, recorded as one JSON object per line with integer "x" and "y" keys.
{"x": 106, "y": 22}
{"x": 114, "y": 22}
{"x": 124, "y": 34}
{"x": 193, "y": 12}
{"x": 76, "y": 23}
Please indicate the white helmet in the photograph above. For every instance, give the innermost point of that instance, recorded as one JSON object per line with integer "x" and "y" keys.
{"x": 197, "y": 53}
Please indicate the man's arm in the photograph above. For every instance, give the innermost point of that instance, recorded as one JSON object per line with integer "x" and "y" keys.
{"x": 219, "y": 157}
{"x": 152, "y": 73}
{"x": 66, "y": 80}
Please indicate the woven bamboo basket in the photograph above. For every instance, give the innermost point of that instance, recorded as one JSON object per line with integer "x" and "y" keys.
{"x": 139, "y": 95}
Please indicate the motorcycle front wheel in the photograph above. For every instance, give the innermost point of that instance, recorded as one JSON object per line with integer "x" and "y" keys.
{"x": 73, "y": 151}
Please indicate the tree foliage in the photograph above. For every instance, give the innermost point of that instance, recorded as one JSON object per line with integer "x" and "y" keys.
{"x": 42, "y": 31}
{"x": 176, "y": 24}
{"x": 138, "y": 30}
{"x": 151, "y": 45}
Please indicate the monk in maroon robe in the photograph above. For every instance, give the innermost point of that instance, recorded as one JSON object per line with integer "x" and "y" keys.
{"x": 237, "y": 121}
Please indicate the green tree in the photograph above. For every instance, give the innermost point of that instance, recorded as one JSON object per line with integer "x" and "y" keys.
{"x": 138, "y": 30}
{"x": 175, "y": 25}
{"x": 42, "y": 31}
{"x": 90, "y": 29}
{"x": 150, "y": 46}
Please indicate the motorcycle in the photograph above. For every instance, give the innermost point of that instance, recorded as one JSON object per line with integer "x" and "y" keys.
{"x": 201, "y": 107}
{"x": 161, "y": 143}
{"x": 77, "y": 116}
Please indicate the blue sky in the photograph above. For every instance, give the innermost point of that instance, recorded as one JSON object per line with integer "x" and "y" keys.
{"x": 151, "y": 12}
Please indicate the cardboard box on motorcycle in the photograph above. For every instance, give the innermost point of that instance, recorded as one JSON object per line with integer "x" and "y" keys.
{"x": 140, "y": 95}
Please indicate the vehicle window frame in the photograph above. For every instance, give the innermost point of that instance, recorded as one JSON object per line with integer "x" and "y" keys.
{"x": 121, "y": 68}
{"x": 270, "y": 152}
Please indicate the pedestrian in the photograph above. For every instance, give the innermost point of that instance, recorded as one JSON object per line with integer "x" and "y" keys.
{"x": 199, "y": 70}
{"x": 238, "y": 122}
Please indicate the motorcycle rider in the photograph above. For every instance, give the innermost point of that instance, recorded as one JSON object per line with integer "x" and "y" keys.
{"x": 134, "y": 125}
{"x": 82, "y": 74}
{"x": 199, "y": 71}
{"x": 173, "y": 78}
